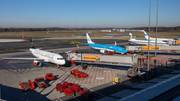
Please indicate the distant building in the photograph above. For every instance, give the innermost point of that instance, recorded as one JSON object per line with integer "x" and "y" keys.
{"x": 114, "y": 30}
{"x": 105, "y": 30}
{"x": 120, "y": 30}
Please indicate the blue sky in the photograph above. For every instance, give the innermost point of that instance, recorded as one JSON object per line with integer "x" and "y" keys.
{"x": 88, "y": 13}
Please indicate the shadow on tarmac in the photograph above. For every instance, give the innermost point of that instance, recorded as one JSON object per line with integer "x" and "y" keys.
{"x": 14, "y": 94}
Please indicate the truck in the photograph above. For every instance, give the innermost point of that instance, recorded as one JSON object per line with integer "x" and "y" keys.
{"x": 60, "y": 87}
{"x": 25, "y": 86}
{"x": 90, "y": 96}
{"x": 67, "y": 84}
{"x": 86, "y": 95}
{"x": 76, "y": 89}
{"x": 69, "y": 92}
{"x": 49, "y": 76}
{"x": 40, "y": 82}
{"x": 78, "y": 73}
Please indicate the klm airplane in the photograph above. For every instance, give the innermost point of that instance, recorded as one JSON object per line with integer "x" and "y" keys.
{"x": 105, "y": 48}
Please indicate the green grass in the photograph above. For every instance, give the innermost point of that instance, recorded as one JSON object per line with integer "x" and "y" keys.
{"x": 96, "y": 33}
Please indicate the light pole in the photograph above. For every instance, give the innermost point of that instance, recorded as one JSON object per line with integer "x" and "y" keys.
{"x": 149, "y": 39}
{"x": 156, "y": 29}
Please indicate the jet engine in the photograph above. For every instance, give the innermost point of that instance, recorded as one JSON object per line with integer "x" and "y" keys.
{"x": 102, "y": 51}
{"x": 39, "y": 63}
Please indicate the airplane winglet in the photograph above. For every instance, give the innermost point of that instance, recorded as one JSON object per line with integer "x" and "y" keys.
{"x": 32, "y": 45}
{"x": 77, "y": 45}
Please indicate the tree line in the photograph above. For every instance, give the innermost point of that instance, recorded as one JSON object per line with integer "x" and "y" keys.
{"x": 159, "y": 29}
{"x": 162, "y": 29}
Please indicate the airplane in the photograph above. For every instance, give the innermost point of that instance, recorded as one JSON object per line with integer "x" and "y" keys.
{"x": 43, "y": 57}
{"x": 145, "y": 42}
{"x": 158, "y": 39}
{"x": 105, "y": 48}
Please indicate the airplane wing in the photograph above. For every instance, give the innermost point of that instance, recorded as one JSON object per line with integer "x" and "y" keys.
{"x": 68, "y": 51}
{"x": 22, "y": 58}
{"x": 82, "y": 47}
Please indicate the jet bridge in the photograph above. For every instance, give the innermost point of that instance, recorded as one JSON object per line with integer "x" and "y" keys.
{"x": 103, "y": 59}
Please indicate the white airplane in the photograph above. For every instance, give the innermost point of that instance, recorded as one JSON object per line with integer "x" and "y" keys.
{"x": 145, "y": 42}
{"x": 158, "y": 39}
{"x": 43, "y": 57}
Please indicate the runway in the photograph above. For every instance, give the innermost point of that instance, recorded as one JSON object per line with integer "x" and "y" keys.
{"x": 10, "y": 47}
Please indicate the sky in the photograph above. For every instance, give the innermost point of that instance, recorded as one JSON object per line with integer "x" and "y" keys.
{"x": 88, "y": 13}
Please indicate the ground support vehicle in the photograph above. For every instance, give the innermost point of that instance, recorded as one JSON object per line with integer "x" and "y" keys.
{"x": 90, "y": 96}
{"x": 40, "y": 82}
{"x": 27, "y": 85}
{"x": 69, "y": 92}
{"x": 68, "y": 85}
{"x": 78, "y": 73}
{"x": 77, "y": 90}
{"x": 76, "y": 84}
{"x": 86, "y": 95}
{"x": 49, "y": 76}
{"x": 117, "y": 80}
{"x": 60, "y": 87}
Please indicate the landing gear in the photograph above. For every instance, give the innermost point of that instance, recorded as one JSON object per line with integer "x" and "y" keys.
{"x": 105, "y": 52}
{"x": 60, "y": 67}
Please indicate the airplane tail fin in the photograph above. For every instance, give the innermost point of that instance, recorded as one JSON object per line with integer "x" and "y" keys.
{"x": 130, "y": 34}
{"x": 88, "y": 39}
{"x": 146, "y": 36}
{"x": 32, "y": 45}
{"x": 115, "y": 43}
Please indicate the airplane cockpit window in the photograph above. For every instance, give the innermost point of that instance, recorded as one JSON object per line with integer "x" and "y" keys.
{"x": 59, "y": 58}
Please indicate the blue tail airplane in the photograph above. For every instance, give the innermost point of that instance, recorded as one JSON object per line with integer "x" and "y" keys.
{"x": 105, "y": 48}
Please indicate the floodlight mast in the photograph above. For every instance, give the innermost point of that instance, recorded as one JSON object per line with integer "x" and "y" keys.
{"x": 149, "y": 39}
{"x": 156, "y": 30}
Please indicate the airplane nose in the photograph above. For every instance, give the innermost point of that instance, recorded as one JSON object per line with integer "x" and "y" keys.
{"x": 63, "y": 62}
{"x": 125, "y": 51}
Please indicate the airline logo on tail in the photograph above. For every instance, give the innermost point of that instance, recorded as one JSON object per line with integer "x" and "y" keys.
{"x": 88, "y": 39}
{"x": 130, "y": 35}
{"x": 145, "y": 35}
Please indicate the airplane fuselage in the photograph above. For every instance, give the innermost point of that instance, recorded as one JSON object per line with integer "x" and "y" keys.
{"x": 146, "y": 42}
{"x": 48, "y": 56}
{"x": 161, "y": 39}
{"x": 108, "y": 47}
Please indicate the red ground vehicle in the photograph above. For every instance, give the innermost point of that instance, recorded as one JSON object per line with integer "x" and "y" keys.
{"x": 90, "y": 96}
{"x": 77, "y": 90}
{"x": 76, "y": 51}
{"x": 49, "y": 76}
{"x": 27, "y": 85}
{"x": 40, "y": 82}
{"x": 60, "y": 87}
{"x": 66, "y": 84}
{"x": 78, "y": 73}
{"x": 86, "y": 95}
{"x": 69, "y": 92}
